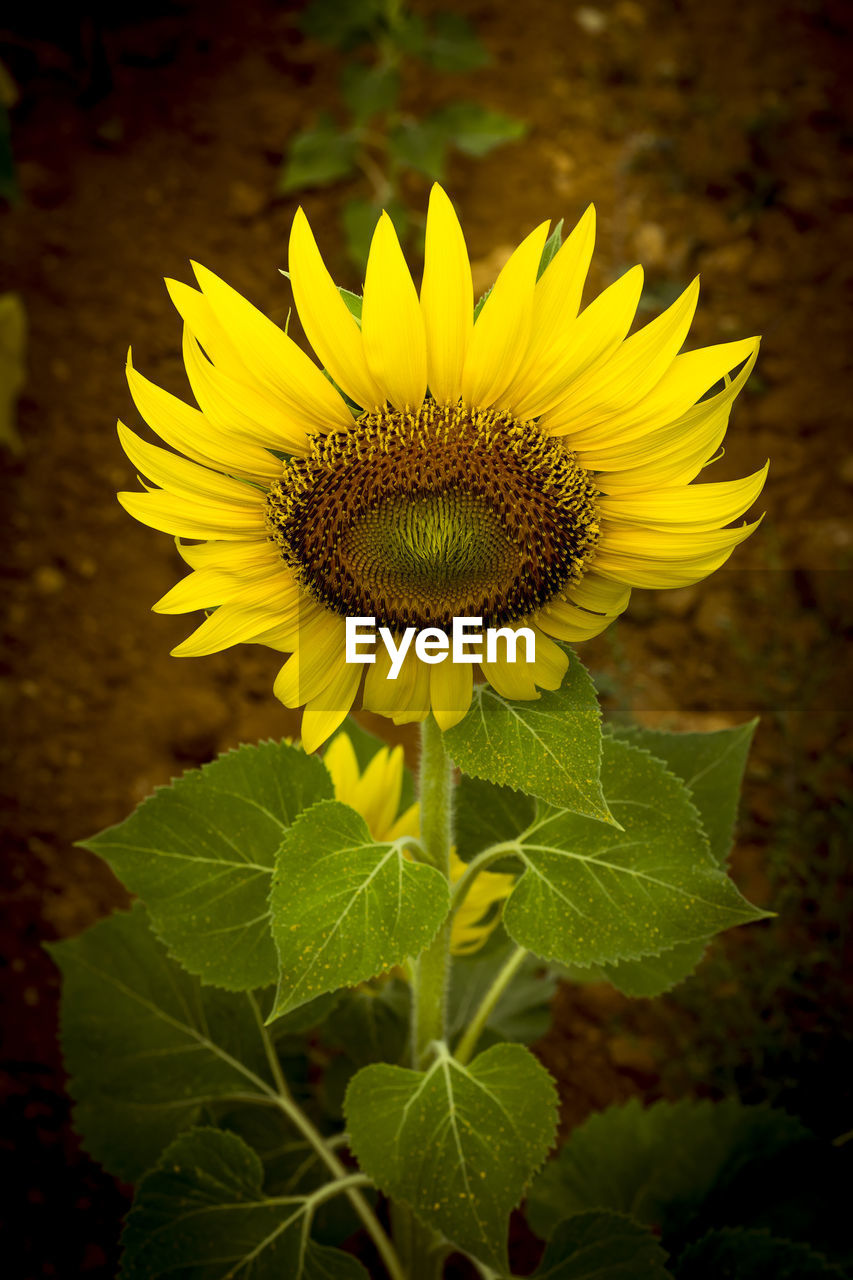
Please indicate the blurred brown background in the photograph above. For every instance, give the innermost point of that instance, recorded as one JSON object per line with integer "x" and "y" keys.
{"x": 711, "y": 138}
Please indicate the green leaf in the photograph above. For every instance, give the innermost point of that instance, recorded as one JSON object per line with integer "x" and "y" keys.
{"x": 711, "y": 765}
{"x": 419, "y": 145}
{"x": 523, "y": 1012}
{"x": 372, "y": 1022}
{"x": 202, "y": 1214}
{"x": 551, "y": 248}
{"x": 345, "y": 908}
{"x": 474, "y": 129}
{"x": 651, "y": 975}
{"x": 591, "y": 894}
{"x": 342, "y": 23}
{"x": 318, "y": 157}
{"x": 550, "y": 748}
{"x": 359, "y": 219}
{"x": 369, "y": 89}
{"x": 486, "y": 814}
{"x": 458, "y": 1144}
{"x": 200, "y": 854}
{"x": 658, "y": 1164}
{"x": 753, "y": 1255}
{"x": 146, "y": 1046}
{"x": 452, "y": 45}
{"x": 602, "y": 1246}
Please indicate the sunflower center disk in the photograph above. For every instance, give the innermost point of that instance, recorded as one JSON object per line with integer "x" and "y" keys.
{"x": 417, "y": 518}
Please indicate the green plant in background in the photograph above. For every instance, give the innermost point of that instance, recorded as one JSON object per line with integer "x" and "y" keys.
{"x": 373, "y": 134}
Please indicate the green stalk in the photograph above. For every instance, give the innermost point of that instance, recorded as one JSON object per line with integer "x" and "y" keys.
{"x": 474, "y": 1030}
{"x": 431, "y": 971}
{"x": 419, "y": 1246}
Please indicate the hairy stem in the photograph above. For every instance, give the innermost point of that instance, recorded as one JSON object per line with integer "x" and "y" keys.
{"x": 430, "y": 986}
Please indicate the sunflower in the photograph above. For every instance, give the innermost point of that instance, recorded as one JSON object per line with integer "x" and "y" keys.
{"x": 376, "y": 794}
{"x": 527, "y": 464}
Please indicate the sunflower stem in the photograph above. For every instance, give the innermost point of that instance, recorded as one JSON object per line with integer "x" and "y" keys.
{"x": 431, "y": 970}
{"x": 418, "y": 1245}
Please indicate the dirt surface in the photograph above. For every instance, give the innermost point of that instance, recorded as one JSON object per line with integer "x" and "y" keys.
{"x": 711, "y": 138}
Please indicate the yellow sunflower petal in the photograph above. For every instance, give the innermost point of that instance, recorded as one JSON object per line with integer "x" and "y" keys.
{"x": 502, "y": 333}
{"x": 673, "y": 454}
{"x": 692, "y": 506}
{"x": 688, "y": 378}
{"x": 232, "y": 624}
{"x": 328, "y": 323}
{"x": 565, "y": 621}
{"x": 187, "y": 429}
{"x": 342, "y": 763}
{"x": 190, "y": 519}
{"x": 417, "y": 706}
{"x": 632, "y": 371}
{"x": 383, "y": 696}
{"x": 237, "y": 408}
{"x": 555, "y": 305}
{"x": 381, "y": 789}
{"x": 586, "y": 344}
{"x": 450, "y": 687}
{"x": 598, "y": 595}
{"x": 392, "y": 326}
{"x": 183, "y": 478}
{"x": 408, "y": 824}
{"x": 447, "y": 299}
{"x": 667, "y": 559}
{"x": 229, "y": 557}
{"x": 274, "y": 358}
{"x": 207, "y": 588}
{"x": 321, "y": 644}
{"x": 327, "y": 710}
{"x": 198, "y": 315}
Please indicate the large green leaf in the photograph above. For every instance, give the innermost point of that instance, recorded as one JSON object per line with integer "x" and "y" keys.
{"x": 657, "y": 1164}
{"x": 592, "y": 894}
{"x": 602, "y": 1246}
{"x": 550, "y": 748}
{"x": 344, "y": 908}
{"x": 753, "y": 1255}
{"x": 200, "y": 855}
{"x": 417, "y": 144}
{"x": 146, "y": 1045}
{"x": 202, "y": 1215}
{"x": 458, "y": 1144}
{"x": 649, "y": 976}
{"x": 318, "y": 157}
{"x": 486, "y": 814}
{"x": 711, "y": 765}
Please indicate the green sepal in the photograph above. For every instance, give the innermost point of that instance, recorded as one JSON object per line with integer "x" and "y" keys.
{"x": 551, "y": 248}
{"x": 345, "y": 908}
{"x": 202, "y": 1213}
{"x": 458, "y": 1144}
{"x": 549, "y": 748}
{"x": 200, "y": 855}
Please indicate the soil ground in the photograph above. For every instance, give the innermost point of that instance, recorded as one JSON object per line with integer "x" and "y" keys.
{"x": 711, "y": 138}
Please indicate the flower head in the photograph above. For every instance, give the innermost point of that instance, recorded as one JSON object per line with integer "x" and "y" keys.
{"x": 528, "y": 468}
{"x": 376, "y": 794}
